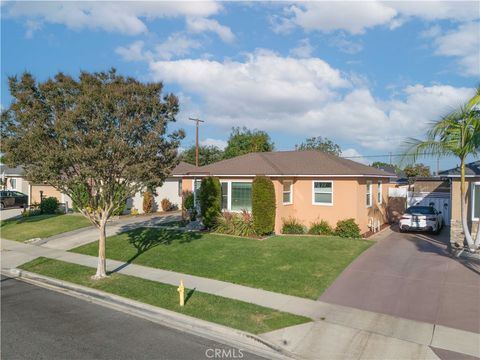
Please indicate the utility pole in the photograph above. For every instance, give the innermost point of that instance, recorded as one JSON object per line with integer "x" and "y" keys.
{"x": 197, "y": 121}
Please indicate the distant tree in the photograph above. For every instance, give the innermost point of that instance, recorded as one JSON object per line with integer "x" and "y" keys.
{"x": 99, "y": 139}
{"x": 207, "y": 154}
{"x": 417, "y": 170}
{"x": 384, "y": 165}
{"x": 243, "y": 141}
{"x": 321, "y": 144}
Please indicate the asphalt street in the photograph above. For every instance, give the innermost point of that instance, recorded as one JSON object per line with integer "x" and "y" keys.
{"x": 37, "y": 323}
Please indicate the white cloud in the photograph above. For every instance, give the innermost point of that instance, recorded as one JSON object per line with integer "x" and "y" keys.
{"x": 303, "y": 50}
{"x": 134, "y": 52}
{"x": 221, "y": 144}
{"x": 307, "y": 97}
{"x": 355, "y": 17}
{"x": 199, "y": 25}
{"x": 175, "y": 45}
{"x": 125, "y": 17}
{"x": 464, "y": 44}
{"x": 345, "y": 45}
{"x": 354, "y": 155}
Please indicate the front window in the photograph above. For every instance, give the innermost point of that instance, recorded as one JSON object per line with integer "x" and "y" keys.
{"x": 369, "y": 194}
{"x": 241, "y": 196}
{"x": 196, "y": 191}
{"x": 379, "y": 192}
{"x": 476, "y": 201}
{"x": 224, "y": 196}
{"x": 287, "y": 192}
{"x": 13, "y": 183}
{"x": 322, "y": 193}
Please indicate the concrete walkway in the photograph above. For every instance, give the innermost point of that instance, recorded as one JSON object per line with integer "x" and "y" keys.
{"x": 75, "y": 238}
{"x": 337, "y": 331}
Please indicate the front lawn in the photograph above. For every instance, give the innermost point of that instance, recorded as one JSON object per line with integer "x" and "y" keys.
{"x": 237, "y": 314}
{"x": 296, "y": 265}
{"x": 40, "y": 226}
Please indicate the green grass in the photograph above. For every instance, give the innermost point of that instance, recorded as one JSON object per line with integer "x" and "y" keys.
{"x": 233, "y": 313}
{"x": 296, "y": 265}
{"x": 40, "y": 226}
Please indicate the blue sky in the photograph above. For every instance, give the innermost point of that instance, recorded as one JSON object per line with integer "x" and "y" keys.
{"x": 365, "y": 74}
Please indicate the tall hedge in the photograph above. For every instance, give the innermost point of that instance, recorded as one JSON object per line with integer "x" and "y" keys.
{"x": 210, "y": 200}
{"x": 263, "y": 205}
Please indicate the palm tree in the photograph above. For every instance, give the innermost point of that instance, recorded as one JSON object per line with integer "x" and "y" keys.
{"x": 456, "y": 134}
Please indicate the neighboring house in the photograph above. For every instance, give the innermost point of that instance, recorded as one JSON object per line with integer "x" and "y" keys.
{"x": 171, "y": 190}
{"x": 472, "y": 177}
{"x": 309, "y": 185}
{"x": 14, "y": 179}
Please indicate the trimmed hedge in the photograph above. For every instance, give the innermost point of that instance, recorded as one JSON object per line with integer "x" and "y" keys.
{"x": 263, "y": 205}
{"x": 210, "y": 200}
{"x": 148, "y": 201}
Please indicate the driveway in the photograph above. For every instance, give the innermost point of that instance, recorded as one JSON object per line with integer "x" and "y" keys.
{"x": 411, "y": 275}
{"x": 10, "y": 213}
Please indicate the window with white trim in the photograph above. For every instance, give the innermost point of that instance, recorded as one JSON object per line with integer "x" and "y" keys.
{"x": 236, "y": 195}
{"x": 379, "y": 192}
{"x": 287, "y": 192}
{"x": 476, "y": 201}
{"x": 322, "y": 193}
{"x": 13, "y": 183}
{"x": 369, "y": 193}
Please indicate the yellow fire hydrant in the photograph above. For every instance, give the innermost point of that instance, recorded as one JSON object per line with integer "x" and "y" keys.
{"x": 181, "y": 292}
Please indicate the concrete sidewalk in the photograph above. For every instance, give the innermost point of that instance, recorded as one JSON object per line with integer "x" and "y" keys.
{"x": 72, "y": 239}
{"x": 351, "y": 331}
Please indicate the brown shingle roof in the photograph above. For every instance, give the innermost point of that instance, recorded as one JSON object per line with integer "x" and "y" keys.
{"x": 289, "y": 163}
{"x": 183, "y": 168}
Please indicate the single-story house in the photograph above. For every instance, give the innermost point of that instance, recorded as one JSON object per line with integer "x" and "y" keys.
{"x": 14, "y": 179}
{"x": 309, "y": 186}
{"x": 472, "y": 177}
{"x": 171, "y": 190}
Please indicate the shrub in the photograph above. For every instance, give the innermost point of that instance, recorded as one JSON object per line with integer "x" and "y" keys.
{"x": 147, "y": 202}
{"x": 31, "y": 212}
{"x": 347, "y": 228}
{"x": 210, "y": 200}
{"x": 292, "y": 226}
{"x": 188, "y": 202}
{"x": 166, "y": 204}
{"x": 134, "y": 211}
{"x": 235, "y": 224}
{"x": 49, "y": 205}
{"x": 320, "y": 228}
{"x": 263, "y": 205}
{"x": 119, "y": 210}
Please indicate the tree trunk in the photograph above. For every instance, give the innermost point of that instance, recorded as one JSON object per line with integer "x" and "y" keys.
{"x": 102, "y": 263}
{"x": 477, "y": 238}
{"x": 466, "y": 231}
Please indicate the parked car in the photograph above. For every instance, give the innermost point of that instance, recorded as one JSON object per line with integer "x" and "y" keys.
{"x": 10, "y": 198}
{"x": 422, "y": 218}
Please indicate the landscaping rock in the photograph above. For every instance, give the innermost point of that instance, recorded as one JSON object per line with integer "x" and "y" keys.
{"x": 195, "y": 225}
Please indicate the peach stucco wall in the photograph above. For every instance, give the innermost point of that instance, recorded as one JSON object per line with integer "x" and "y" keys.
{"x": 349, "y": 201}
{"x": 48, "y": 191}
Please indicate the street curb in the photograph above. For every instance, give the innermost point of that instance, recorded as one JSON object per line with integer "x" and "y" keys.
{"x": 222, "y": 334}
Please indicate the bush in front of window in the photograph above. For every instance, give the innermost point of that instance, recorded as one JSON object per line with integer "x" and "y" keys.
{"x": 291, "y": 225}
{"x": 347, "y": 229}
{"x": 210, "y": 200}
{"x": 49, "y": 205}
{"x": 320, "y": 228}
{"x": 235, "y": 224}
{"x": 263, "y": 205}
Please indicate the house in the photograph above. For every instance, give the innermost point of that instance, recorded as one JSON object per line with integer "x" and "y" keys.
{"x": 171, "y": 190}
{"x": 309, "y": 185}
{"x": 472, "y": 177}
{"x": 14, "y": 179}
